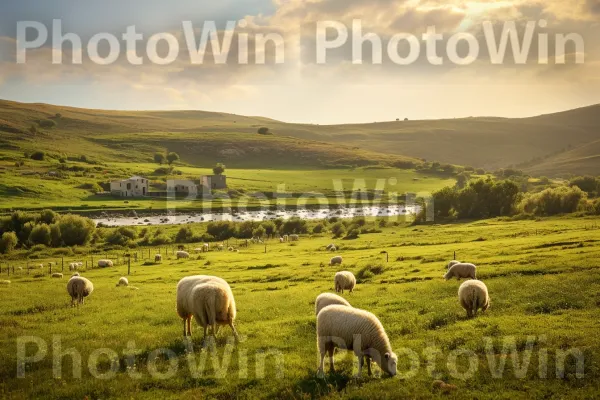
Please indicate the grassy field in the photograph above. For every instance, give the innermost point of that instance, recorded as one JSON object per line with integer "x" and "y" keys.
{"x": 543, "y": 279}
{"x": 203, "y": 138}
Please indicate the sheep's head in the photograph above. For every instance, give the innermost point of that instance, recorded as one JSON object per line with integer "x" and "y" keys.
{"x": 447, "y": 276}
{"x": 389, "y": 364}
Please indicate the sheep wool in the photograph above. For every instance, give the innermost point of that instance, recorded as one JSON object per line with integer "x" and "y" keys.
{"x": 326, "y": 299}
{"x": 123, "y": 281}
{"x": 294, "y": 238}
{"x": 451, "y": 263}
{"x": 157, "y": 258}
{"x": 184, "y": 288}
{"x": 79, "y": 288}
{"x": 75, "y": 274}
{"x": 57, "y": 275}
{"x": 213, "y": 304}
{"x": 182, "y": 254}
{"x": 357, "y": 330}
{"x": 105, "y": 263}
{"x": 461, "y": 270}
{"x": 344, "y": 280}
{"x": 473, "y": 295}
{"x": 337, "y": 260}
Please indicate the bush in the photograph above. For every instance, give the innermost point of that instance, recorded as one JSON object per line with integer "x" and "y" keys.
{"x": 588, "y": 184}
{"x": 160, "y": 240}
{"x": 258, "y": 232}
{"x": 8, "y": 242}
{"x": 184, "y": 235}
{"x": 159, "y": 158}
{"x": 38, "y": 155}
{"x": 263, "y": 131}
{"x": 245, "y": 229}
{"x": 353, "y": 232}
{"x": 318, "y": 228}
{"x": 92, "y": 187}
{"x": 553, "y": 201}
{"x": 221, "y": 230}
{"x": 218, "y": 169}
{"x": 338, "y": 229}
{"x": 40, "y": 234}
{"x": 269, "y": 227}
{"x": 172, "y": 157}
{"x": 294, "y": 225}
{"x": 48, "y": 217}
{"x": 47, "y": 123}
{"x": 55, "y": 236}
{"x": 122, "y": 236}
{"x": 76, "y": 230}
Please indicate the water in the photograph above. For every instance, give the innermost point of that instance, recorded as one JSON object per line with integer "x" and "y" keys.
{"x": 171, "y": 219}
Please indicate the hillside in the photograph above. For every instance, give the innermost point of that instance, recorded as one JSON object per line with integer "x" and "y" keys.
{"x": 205, "y": 137}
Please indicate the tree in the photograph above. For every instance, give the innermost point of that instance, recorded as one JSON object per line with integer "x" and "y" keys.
{"x": 76, "y": 230}
{"x": 159, "y": 158}
{"x": 338, "y": 229}
{"x": 172, "y": 157}
{"x": 218, "y": 169}
{"x": 263, "y": 130}
{"x": 258, "y": 232}
{"x": 40, "y": 234}
{"x": 38, "y": 156}
{"x": 588, "y": 184}
{"x": 8, "y": 242}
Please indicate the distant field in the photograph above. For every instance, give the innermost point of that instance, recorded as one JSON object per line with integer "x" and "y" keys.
{"x": 543, "y": 277}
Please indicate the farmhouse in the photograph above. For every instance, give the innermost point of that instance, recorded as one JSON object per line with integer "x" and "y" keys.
{"x": 214, "y": 181}
{"x": 132, "y": 187}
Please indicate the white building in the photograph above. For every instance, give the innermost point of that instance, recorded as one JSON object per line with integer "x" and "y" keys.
{"x": 135, "y": 186}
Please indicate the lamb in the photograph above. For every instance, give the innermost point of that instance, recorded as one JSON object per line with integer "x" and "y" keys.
{"x": 157, "y": 258}
{"x": 285, "y": 238}
{"x": 461, "y": 270}
{"x": 72, "y": 266}
{"x": 451, "y": 263}
{"x": 294, "y": 238}
{"x": 230, "y": 248}
{"x": 326, "y": 299}
{"x": 57, "y": 275}
{"x": 280, "y": 240}
{"x": 212, "y": 305}
{"x": 331, "y": 247}
{"x": 205, "y": 247}
{"x": 357, "y": 330}
{"x": 472, "y": 295}
{"x": 79, "y": 288}
{"x": 105, "y": 263}
{"x": 182, "y": 254}
{"x": 75, "y": 274}
{"x": 123, "y": 281}
{"x": 344, "y": 280}
{"x": 184, "y": 288}
{"x": 335, "y": 260}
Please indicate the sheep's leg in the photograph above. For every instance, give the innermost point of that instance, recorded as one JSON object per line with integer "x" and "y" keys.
{"x": 204, "y": 341}
{"x": 235, "y": 334}
{"x": 189, "y": 326}
{"x": 330, "y": 351}
{"x": 184, "y": 333}
{"x": 368, "y": 361}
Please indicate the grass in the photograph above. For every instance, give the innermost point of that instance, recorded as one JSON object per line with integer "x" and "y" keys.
{"x": 540, "y": 285}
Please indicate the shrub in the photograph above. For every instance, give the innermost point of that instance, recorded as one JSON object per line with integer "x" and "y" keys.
{"x": 184, "y": 235}
{"x": 368, "y": 272}
{"x": 48, "y": 217}
{"x": 221, "y": 230}
{"x": 160, "y": 240}
{"x": 353, "y": 232}
{"x": 159, "y": 158}
{"x": 8, "y": 242}
{"x": 259, "y": 232}
{"x": 46, "y": 123}
{"x": 172, "y": 157}
{"x": 269, "y": 227}
{"x": 218, "y": 169}
{"x": 245, "y": 229}
{"x": 553, "y": 201}
{"x": 76, "y": 230}
{"x": 121, "y": 236}
{"x": 588, "y": 184}
{"x": 263, "y": 131}
{"x": 38, "y": 155}
{"x": 318, "y": 228}
{"x": 92, "y": 187}
{"x": 338, "y": 229}
{"x": 55, "y": 236}
{"x": 294, "y": 225}
{"x": 40, "y": 234}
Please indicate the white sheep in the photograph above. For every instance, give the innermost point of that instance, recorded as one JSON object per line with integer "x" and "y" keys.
{"x": 326, "y": 299}
{"x": 79, "y": 288}
{"x": 280, "y": 240}
{"x": 212, "y": 304}
{"x": 184, "y": 288}
{"x": 337, "y": 260}
{"x": 285, "y": 238}
{"x": 198, "y": 249}
{"x": 75, "y": 274}
{"x": 72, "y": 266}
{"x": 357, "y": 330}
{"x": 344, "y": 280}
{"x": 123, "y": 281}
{"x": 220, "y": 247}
{"x": 79, "y": 264}
{"x": 105, "y": 263}
{"x": 461, "y": 270}
{"x": 57, "y": 275}
{"x": 157, "y": 258}
{"x": 451, "y": 263}
{"x": 182, "y": 254}
{"x": 294, "y": 238}
{"x": 331, "y": 247}
{"x": 205, "y": 247}
{"x": 473, "y": 295}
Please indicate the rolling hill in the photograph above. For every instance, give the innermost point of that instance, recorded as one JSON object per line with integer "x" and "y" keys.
{"x": 554, "y": 144}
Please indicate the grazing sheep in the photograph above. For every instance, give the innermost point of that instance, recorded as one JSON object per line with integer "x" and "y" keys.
{"x": 57, "y": 275}
{"x": 198, "y": 250}
{"x": 212, "y": 304}
{"x": 344, "y": 280}
{"x": 451, "y": 263}
{"x": 205, "y": 247}
{"x": 182, "y": 254}
{"x": 184, "y": 288}
{"x": 357, "y": 330}
{"x": 157, "y": 258}
{"x": 75, "y": 274}
{"x": 123, "y": 281}
{"x": 79, "y": 288}
{"x": 230, "y": 248}
{"x": 331, "y": 247}
{"x": 326, "y": 299}
{"x": 280, "y": 240}
{"x": 473, "y": 295}
{"x": 285, "y": 238}
{"x": 79, "y": 264}
{"x": 337, "y": 260}
{"x": 461, "y": 270}
{"x": 294, "y": 238}
{"x": 105, "y": 263}
{"x": 72, "y": 266}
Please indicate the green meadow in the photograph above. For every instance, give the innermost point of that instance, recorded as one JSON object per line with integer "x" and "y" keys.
{"x": 542, "y": 276}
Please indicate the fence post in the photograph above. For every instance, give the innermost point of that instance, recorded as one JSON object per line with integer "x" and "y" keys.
{"x": 265, "y": 248}
{"x": 128, "y": 265}
{"x": 454, "y": 255}
{"x": 92, "y": 266}
{"x": 62, "y": 264}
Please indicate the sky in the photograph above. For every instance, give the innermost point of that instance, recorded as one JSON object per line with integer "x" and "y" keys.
{"x": 292, "y": 85}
